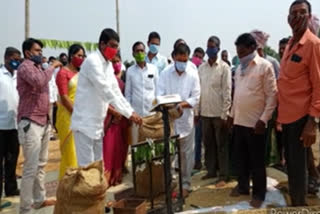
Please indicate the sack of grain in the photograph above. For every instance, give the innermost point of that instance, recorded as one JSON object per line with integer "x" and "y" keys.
{"x": 82, "y": 191}
{"x": 152, "y": 126}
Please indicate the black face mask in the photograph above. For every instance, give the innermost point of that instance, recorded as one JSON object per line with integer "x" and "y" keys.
{"x": 64, "y": 63}
{"x": 36, "y": 59}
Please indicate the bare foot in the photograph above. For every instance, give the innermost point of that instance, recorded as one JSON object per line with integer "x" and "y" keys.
{"x": 46, "y": 203}
{"x": 221, "y": 184}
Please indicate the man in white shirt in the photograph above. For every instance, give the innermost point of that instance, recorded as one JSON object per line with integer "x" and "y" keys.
{"x": 97, "y": 88}
{"x": 53, "y": 96}
{"x": 254, "y": 102}
{"x": 215, "y": 102}
{"x": 182, "y": 79}
{"x": 141, "y": 80}
{"x": 9, "y": 143}
{"x": 154, "y": 57}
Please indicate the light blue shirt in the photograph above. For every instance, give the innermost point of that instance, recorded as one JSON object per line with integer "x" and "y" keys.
{"x": 9, "y": 99}
{"x": 140, "y": 89}
{"x": 159, "y": 61}
{"x": 275, "y": 63}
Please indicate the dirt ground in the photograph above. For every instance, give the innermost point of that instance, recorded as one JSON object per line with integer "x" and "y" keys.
{"x": 205, "y": 195}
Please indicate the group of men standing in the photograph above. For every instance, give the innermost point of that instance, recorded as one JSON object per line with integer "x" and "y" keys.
{"x": 208, "y": 107}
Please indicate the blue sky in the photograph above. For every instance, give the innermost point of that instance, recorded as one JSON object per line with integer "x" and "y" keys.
{"x": 194, "y": 21}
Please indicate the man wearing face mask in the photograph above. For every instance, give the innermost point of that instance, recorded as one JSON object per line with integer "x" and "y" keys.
{"x": 9, "y": 144}
{"x": 215, "y": 102}
{"x": 299, "y": 97}
{"x": 254, "y": 102}
{"x": 197, "y": 60}
{"x": 141, "y": 81}
{"x": 53, "y": 96}
{"x": 33, "y": 124}
{"x": 183, "y": 80}
{"x": 97, "y": 88}
{"x": 153, "y": 56}
{"x": 63, "y": 57}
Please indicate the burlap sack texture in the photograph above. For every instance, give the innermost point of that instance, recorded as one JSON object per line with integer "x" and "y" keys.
{"x": 82, "y": 191}
{"x": 152, "y": 126}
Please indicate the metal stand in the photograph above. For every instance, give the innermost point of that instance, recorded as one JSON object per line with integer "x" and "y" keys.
{"x": 167, "y": 163}
{"x": 170, "y": 207}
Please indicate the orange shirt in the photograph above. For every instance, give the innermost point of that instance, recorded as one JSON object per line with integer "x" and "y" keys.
{"x": 299, "y": 80}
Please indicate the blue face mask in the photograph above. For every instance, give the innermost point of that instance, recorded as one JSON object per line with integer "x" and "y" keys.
{"x": 14, "y": 64}
{"x": 36, "y": 59}
{"x": 212, "y": 52}
{"x": 181, "y": 66}
{"x": 154, "y": 48}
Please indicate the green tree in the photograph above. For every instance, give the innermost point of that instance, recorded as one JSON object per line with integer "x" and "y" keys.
{"x": 271, "y": 52}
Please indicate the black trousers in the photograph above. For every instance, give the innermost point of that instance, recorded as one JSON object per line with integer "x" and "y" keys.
{"x": 9, "y": 152}
{"x": 296, "y": 159}
{"x": 250, "y": 161}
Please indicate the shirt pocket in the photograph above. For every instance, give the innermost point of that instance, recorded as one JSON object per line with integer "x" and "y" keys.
{"x": 149, "y": 83}
{"x": 23, "y": 128}
{"x": 215, "y": 81}
{"x": 254, "y": 82}
{"x": 296, "y": 69}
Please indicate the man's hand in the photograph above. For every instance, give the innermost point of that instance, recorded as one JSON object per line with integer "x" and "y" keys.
{"x": 229, "y": 123}
{"x": 278, "y": 127}
{"x": 56, "y": 64}
{"x": 196, "y": 120}
{"x": 136, "y": 119}
{"x": 309, "y": 133}
{"x": 179, "y": 108}
{"x": 260, "y": 127}
{"x": 224, "y": 123}
{"x": 117, "y": 118}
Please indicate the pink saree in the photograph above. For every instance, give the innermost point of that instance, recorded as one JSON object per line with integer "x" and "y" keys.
{"x": 115, "y": 146}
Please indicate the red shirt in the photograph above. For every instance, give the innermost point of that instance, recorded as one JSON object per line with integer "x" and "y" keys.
{"x": 62, "y": 80}
{"x": 33, "y": 89}
{"x": 299, "y": 80}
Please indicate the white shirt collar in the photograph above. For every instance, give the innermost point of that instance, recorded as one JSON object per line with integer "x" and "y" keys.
{"x": 5, "y": 71}
{"x": 103, "y": 60}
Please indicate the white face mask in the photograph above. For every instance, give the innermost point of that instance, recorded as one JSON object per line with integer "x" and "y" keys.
{"x": 45, "y": 65}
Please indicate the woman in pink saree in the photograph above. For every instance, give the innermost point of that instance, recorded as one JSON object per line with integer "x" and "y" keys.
{"x": 115, "y": 146}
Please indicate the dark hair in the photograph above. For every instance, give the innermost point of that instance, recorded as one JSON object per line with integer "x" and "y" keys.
{"x": 28, "y": 43}
{"x": 301, "y": 2}
{"x": 224, "y": 51}
{"x": 182, "y": 49}
{"x": 199, "y": 50}
{"x": 215, "y": 40}
{"x": 246, "y": 40}
{"x": 136, "y": 44}
{"x": 52, "y": 58}
{"x": 73, "y": 49}
{"x": 62, "y": 55}
{"x": 107, "y": 35}
{"x": 118, "y": 54}
{"x": 10, "y": 51}
{"x": 284, "y": 41}
{"x": 177, "y": 42}
{"x": 154, "y": 35}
